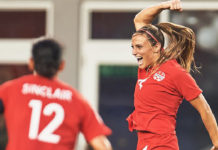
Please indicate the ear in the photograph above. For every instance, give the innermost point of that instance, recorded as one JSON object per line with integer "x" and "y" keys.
{"x": 31, "y": 64}
{"x": 156, "y": 48}
{"x": 62, "y": 65}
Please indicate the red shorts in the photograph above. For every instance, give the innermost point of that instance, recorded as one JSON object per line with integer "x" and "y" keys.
{"x": 151, "y": 141}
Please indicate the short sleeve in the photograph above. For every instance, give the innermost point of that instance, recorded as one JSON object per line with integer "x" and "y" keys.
{"x": 92, "y": 125}
{"x": 187, "y": 86}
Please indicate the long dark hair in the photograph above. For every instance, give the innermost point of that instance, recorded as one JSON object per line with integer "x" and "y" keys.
{"x": 47, "y": 57}
{"x": 181, "y": 43}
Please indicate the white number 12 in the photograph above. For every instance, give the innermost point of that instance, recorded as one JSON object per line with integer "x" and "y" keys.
{"x": 46, "y": 135}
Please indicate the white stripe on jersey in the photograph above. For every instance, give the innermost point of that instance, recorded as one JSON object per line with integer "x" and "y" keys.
{"x": 146, "y": 147}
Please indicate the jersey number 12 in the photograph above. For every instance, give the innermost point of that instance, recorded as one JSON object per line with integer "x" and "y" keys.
{"x": 47, "y": 134}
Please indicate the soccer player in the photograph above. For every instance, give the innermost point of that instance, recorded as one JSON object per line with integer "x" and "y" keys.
{"x": 164, "y": 80}
{"x": 42, "y": 112}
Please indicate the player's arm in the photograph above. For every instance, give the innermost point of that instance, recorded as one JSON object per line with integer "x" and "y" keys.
{"x": 201, "y": 105}
{"x": 100, "y": 143}
{"x": 148, "y": 14}
{"x": 93, "y": 127}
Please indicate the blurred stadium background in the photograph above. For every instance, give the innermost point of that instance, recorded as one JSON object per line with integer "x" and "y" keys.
{"x": 96, "y": 34}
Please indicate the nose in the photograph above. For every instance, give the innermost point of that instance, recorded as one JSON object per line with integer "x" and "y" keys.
{"x": 133, "y": 51}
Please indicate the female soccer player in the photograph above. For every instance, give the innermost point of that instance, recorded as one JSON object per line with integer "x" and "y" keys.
{"x": 164, "y": 80}
{"x": 43, "y": 113}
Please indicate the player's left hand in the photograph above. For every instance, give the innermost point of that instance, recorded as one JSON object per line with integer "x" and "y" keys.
{"x": 172, "y": 5}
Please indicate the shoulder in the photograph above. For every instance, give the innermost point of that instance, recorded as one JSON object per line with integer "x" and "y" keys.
{"x": 11, "y": 86}
{"x": 16, "y": 81}
{"x": 76, "y": 95}
{"x": 82, "y": 103}
{"x": 65, "y": 85}
{"x": 173, "y": 72}
{"x": 173, "y": 68}
{"x": 178, "y": 75}
{"x": 81, "y": 100}
{"x": 24, "y": 78}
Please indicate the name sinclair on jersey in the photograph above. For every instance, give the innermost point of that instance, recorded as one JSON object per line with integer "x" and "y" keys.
{"x": 46, "y": 91}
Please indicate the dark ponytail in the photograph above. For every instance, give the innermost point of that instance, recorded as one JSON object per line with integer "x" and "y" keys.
{"x": 47, "y": 57}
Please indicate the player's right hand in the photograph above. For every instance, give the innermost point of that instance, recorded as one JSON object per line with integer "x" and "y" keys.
{"x": 172, "y": 5}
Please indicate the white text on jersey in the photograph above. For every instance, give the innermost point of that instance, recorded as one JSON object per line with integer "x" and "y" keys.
{"x": 46, "y": 91}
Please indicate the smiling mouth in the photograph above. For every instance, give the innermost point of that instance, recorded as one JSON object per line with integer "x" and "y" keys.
{"x": 140, "y": 60}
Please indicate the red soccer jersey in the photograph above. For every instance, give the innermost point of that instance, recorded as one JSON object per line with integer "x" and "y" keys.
{"x": 43, "y": 114}
{"x": 157, "y": 98}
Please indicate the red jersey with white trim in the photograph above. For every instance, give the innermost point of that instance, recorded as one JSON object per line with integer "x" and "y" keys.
{"x": 158, "y": 96}
{"x": 43, "y": 114}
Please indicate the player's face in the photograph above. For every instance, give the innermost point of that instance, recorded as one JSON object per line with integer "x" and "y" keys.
{"x": 142, "y": 50}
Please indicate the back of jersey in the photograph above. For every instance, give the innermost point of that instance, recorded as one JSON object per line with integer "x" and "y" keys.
{"x": 40, "y": 114}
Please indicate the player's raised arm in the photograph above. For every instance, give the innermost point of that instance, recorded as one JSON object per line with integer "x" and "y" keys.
{"x": 148, "y": 14}
{"x": 201, "y": 105}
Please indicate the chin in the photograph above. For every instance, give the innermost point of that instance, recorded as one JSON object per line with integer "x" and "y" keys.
{"x": 142, "y": 66}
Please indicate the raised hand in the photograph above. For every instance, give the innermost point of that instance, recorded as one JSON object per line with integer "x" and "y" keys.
{"x": 172, "y": 5}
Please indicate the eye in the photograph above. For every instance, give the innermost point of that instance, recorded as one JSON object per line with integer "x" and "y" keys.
{"x": 139, "y": 46}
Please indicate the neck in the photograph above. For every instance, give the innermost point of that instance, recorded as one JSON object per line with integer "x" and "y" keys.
{"x": 156, "y": 56}
{"x": 55, "y": 76}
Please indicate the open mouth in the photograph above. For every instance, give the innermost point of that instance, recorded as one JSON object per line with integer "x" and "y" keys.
{"x": 140, "y": 60}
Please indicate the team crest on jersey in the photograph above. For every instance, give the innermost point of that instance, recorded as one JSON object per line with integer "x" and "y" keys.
{"x": 159, "y": 76}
